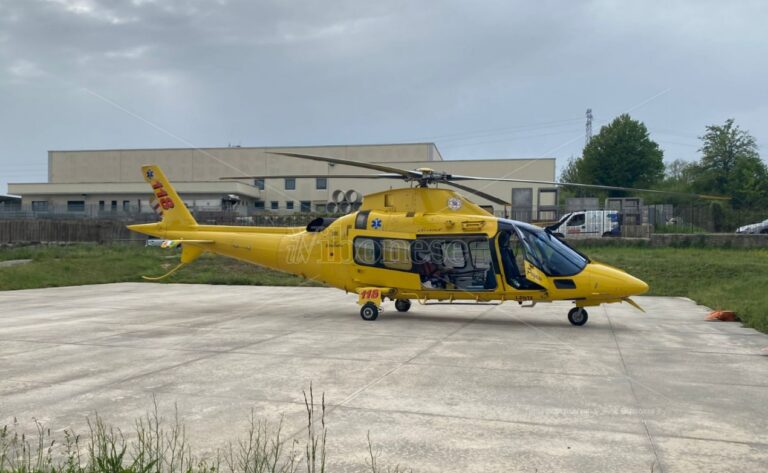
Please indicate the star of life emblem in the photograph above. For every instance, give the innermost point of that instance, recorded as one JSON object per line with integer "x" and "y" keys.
{"x": 454, "y": 203}
{"x": 150, "y": 174}
{"x": 376, "y": 224}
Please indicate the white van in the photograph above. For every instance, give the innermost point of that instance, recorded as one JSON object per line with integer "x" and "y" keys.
{"x": 588, "y": 223}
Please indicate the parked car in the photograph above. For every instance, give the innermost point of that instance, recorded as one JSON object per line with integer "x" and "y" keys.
{"x": 588, "y": 223}
{"x": 761, "y": 227}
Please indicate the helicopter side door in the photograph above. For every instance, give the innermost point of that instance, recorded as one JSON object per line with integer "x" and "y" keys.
{"x": 512, "y": 255}
{"x": 454, "y": 262}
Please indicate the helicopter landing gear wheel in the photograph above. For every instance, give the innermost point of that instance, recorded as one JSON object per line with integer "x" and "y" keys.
{"x": 369, "y": 311}
{"x": 578, "y": 316}
{"x": 402, "y": 305}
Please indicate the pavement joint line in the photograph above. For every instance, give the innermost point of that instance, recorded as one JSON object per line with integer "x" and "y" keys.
{"x": 86, "y": 343}
{"x": 616, "y": 343}
{"x": 625, "y": 374}
{"x": 392, "y": 370}
{"x": 634, "y": 395}
{"x": 407, "y": 412}
{"x": 516, "y": 370}
{"x": 409, "y": 360}
{"x": 577, "y": 428}
{"x": 184, "y": 363}
{"x": 414, "y": 413}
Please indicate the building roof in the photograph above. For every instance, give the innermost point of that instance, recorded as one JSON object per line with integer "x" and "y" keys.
{"x": 9, "y": 198}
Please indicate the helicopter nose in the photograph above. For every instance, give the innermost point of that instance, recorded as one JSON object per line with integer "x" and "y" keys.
{"x": 608, "y": 280}
{"x": 636, "y": 286}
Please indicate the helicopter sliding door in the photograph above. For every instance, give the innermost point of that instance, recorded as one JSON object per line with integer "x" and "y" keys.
{"x": 454, "y": 263}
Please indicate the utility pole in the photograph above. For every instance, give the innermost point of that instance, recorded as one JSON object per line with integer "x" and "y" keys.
{"x": 588, "y": 128}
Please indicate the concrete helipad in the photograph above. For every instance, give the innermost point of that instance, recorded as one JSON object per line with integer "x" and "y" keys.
{"x": 441, "y": 388}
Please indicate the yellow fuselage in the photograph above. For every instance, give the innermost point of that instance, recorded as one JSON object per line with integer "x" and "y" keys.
{"x": 328, "y": 255}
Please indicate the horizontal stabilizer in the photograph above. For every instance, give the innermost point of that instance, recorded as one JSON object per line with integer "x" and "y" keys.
{"x": 175, "y": 243}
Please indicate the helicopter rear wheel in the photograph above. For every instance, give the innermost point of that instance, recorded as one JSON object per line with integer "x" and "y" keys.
{"x": 578, "y": 316}
{"x": 402, "y": 305}
{"x": 369, "y": 311}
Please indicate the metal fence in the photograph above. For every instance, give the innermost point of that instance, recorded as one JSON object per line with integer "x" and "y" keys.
{"x": 657, "y": 218}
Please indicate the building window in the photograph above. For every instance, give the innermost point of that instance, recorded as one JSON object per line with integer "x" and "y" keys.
{"x": 75, "y": 206}
{"x": 126, "y": 205}
{"x": 321, "y": 183}
{"x": 113, "y": 207}
{"x": 290, "y": 183}
{"x": 101, "y": 206}
{"x": 259, "y": 205}
{"x": 39, "y": 205}
{"x": 274, "y": 205}
{"x": 289, "y": 204}
{"x": 259, "y": 184}
{"x": 305, "y": 206}
{"x": 320, "y": 208}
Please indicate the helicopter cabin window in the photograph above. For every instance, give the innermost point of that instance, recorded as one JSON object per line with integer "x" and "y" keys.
{"x": 481, "y": 254}
{"x": 396, "y": 254}
{"x": 454, "y": 264}
{"x": 383, "y": 253}
{"x": 365, "y": 251}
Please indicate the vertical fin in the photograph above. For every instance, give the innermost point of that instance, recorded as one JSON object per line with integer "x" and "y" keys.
{"x": 167, "y": 201}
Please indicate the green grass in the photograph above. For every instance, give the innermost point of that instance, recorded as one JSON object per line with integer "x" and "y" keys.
{"x": 679, "y": 228}
{"x": 158, "y": 445}
{"x": 80, "y": 264}
{"x": 733, "y": 279}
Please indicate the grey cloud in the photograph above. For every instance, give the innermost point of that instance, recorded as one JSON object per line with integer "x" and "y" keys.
{"x": 309, "y": 72}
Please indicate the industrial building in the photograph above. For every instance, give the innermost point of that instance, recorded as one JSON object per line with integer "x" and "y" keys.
{"x": 109, "y": 182}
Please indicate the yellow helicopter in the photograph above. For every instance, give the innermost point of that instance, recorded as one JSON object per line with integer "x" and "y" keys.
{"x": 418, "y": 243}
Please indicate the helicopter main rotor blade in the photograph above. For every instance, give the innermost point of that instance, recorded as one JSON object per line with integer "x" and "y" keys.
{"x": 348, "y": 162}
{"x": 478, "y": 193}
{"x": 588, "y": 186}
{"x": 313, "y": 176}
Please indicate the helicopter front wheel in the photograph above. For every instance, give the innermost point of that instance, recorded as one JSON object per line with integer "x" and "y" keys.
{"x": 402, "y": 305}
{"x": 369, "y": 311}
{"x": 578, "y": 316}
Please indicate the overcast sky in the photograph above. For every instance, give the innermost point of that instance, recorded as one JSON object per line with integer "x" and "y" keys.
{"x": 483, "y": 79}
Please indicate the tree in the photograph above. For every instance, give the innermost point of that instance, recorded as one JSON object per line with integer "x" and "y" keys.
{"x": 730, "y": 165}
{"x": 622, "y": 154}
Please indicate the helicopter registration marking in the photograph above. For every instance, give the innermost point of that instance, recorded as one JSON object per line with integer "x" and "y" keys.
{"x": 162, "y": 196}
{"x": 370, "y": 294}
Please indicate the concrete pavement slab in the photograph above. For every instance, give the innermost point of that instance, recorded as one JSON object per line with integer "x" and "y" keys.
{"x": 440, "y": 388}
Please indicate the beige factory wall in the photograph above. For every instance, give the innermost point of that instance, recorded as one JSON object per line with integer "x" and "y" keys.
{"x": 206, "y": 164}
{"x": 185, "y": 165}
{"x": 537, "y": 169}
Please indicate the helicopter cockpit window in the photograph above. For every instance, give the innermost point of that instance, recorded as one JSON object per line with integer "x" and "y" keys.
{"x": 549, "y": 254}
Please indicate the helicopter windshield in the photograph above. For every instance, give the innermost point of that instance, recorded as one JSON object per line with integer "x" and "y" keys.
{"x": 549, "y": 254}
